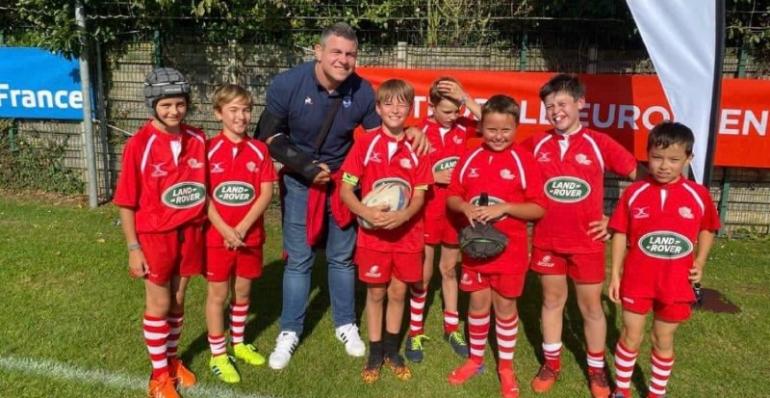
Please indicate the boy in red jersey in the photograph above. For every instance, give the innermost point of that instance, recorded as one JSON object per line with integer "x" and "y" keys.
{"x": 658, "y": 222}
{"x": 241, "y": 177}
{"x": 508, "y": 176}
{"x": 447, "y": 131}
{"x": 569, "y": 240}
{"x": 161, "y": 193}
{"x": 389, "y": 255}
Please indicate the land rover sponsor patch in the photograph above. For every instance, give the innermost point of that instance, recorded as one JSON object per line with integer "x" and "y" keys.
{"x": 567, "y": 189}
{"x": 184, "y": 195}
{"x": 666, "y": 245}
{"x": 234, "y": 193}
{"x": 445, "y": 164}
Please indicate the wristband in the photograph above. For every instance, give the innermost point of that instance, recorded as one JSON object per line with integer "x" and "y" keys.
{"x": 133, "y": 246}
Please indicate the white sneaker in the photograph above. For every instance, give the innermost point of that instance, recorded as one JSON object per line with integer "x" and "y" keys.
{"x": 348, "y": 334}
{"x": 285, "y": 344}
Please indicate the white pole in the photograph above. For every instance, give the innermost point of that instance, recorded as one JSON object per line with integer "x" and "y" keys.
{"x": 85, "y": 87}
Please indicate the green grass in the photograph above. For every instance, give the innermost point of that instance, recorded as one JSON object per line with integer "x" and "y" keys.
{"x": 67, "y": 300}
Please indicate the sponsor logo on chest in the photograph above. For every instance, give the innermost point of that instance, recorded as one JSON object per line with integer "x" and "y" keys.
{"x": 666, "y": 245}
{"x": 447, "y": 163}
{"x": 184, "y": 195}
{"x": 234, "y": 193}
{"x": 567, "y": 189}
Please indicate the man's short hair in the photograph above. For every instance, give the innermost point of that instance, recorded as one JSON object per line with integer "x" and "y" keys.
{"x": 435, "y": 96}
{"x": 340, "y": 29}
{"x": 395, "y": 89}
{"x": 563, "y": 82}
{"x": 668, "y": 133}
{"x": 501, "y": 104}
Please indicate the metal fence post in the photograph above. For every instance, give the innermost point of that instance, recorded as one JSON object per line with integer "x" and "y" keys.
{"x": 157, "y": 53}
{"x": 401, "y": 54}
{"x": 524, "y": 53}
{"x": 724, "y": 199}
{"x": 85, "y": 86}
{"x": 593, "y": 59}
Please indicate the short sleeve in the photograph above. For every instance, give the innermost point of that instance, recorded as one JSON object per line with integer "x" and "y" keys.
{"x": 129, "y": 184}
{"x": 371, "y": 119}
{"x": 266, "y": 169}
{"x": 455, "y": 187}
{"x": 278, "y": 97}
{"x": 533, "y": 193}
{"x": 354, "y": 162}
{"x": 617, "y": 159}
{"x": 619, "y": 220}
{"x": 423, "y": 174}
{"x": 710, "y": 221}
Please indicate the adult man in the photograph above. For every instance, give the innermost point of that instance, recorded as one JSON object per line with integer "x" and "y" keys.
{"x": 298, "y": 102}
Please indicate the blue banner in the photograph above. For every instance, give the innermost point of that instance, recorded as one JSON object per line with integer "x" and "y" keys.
{"x": 37, "y": 84}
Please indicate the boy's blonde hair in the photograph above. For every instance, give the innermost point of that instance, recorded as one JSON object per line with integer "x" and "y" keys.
{"x": 501, "y": 104}
{"x": 435, "y": 96}
{"x": 395, "y": 89}
{"x": 226, "y": 93}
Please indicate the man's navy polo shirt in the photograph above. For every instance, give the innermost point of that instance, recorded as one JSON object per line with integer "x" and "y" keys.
{"x": 296, "y": 96}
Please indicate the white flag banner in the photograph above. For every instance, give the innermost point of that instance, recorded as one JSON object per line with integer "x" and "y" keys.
{"x": 681, "y": 39}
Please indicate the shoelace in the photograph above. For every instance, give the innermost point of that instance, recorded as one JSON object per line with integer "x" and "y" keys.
{"x": 458, "y": 338}
{"x": 416, "y": 342}
{"x": 349, "y": 333}
{"x": 286, "y": 343}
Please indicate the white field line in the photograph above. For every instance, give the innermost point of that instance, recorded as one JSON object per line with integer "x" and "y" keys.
{"x": 63, "y": 371}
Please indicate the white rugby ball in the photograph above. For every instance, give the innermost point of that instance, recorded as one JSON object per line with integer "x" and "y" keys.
{"x": 393, "y": 195}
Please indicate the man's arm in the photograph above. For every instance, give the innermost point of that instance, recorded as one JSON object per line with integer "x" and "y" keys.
{"x": 274, "y": 131}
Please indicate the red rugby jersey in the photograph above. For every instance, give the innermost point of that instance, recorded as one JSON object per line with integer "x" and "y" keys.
{"x": 236, "y": 171}
{"x": 371, "y": 161}
{"x": 445, "y": 151}
{"x": 662, "y": 222}
{"x": 509, "y": 176}
{"x": 163, "y": 178}
{"x": 574, "y": 186}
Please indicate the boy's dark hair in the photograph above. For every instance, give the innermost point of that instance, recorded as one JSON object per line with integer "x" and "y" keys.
{"x": 340, "y": 29}
{"x": 668, "y": 133}
{"x": 435, "y": 96}
{"x": 569, "y": 84}
{"x": 501, "y": 104}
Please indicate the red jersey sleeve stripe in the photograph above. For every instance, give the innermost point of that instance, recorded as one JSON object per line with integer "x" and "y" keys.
{"x": 370, "y": 149}
{"x": 468, "y": 162}
{"x": 197, "y": 136}
{"x": 637, "y": 193}
{"x": 412, "y": 154}
{"x": 523, "y": 175}
{"x": 596, "y": 149}
{"x": 695, "y": 196}
{"x": 256, "y": 150}
{"x": 540, "y": 143}
{"x": 146, "y": 153}
{"x": 215, "y": 149}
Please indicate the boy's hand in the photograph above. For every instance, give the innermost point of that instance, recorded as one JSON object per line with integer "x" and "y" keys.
{"x": 598, "y": 229}
{"x": 137, "y": 264}
{"x": 419, "y": 140}
{"x": 470, "y": 211}
{"x": 613, "y": 290}
{"x": 375, "y": 215}
{"x": 696, "y": 273}
{"x": 443, "y": 177}
{"x": 394, "y": 219}
{"x": 232, "y": 238}
{"x": 451, "y": 89}
{"x": 486, "y": 214}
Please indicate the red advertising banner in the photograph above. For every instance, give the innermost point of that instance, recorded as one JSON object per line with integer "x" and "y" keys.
{"x": 624, "y": 106}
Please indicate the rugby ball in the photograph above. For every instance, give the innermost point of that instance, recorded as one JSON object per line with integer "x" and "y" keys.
{"x": 391, "y": 194}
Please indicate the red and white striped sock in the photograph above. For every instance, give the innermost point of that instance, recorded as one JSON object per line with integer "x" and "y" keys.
{"x": 661, "y": 371}
{"x": 175, "y": 322}
{"x": 451, "y": 321}
{"x": 155, "y": 336}
{"x": 625, "y": 360}
{"x": 478, "y": 329}
{"x": 506, "y": 329}
{"x": 417, "y": 308}
{"x": 595, "y": 361}
{"x": 238, "y": 314}
{"x": 218, "y": 345}
{"x": 552, "y": 355}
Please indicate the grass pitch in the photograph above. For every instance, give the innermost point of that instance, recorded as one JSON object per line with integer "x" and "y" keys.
{"x": 71, "y": 324}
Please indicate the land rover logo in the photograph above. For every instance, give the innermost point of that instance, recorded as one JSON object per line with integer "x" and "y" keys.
{"x": 234, "y": 193}
{"x": 184, "y": 195}
{"x": 445, "y": 164}
{"x": 665, "y": 245}
{"x": 567, "y": 189}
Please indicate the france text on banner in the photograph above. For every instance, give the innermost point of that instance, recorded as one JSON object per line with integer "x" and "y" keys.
{"x": 624, "y": 106}
{"x": 36, "y": 84}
